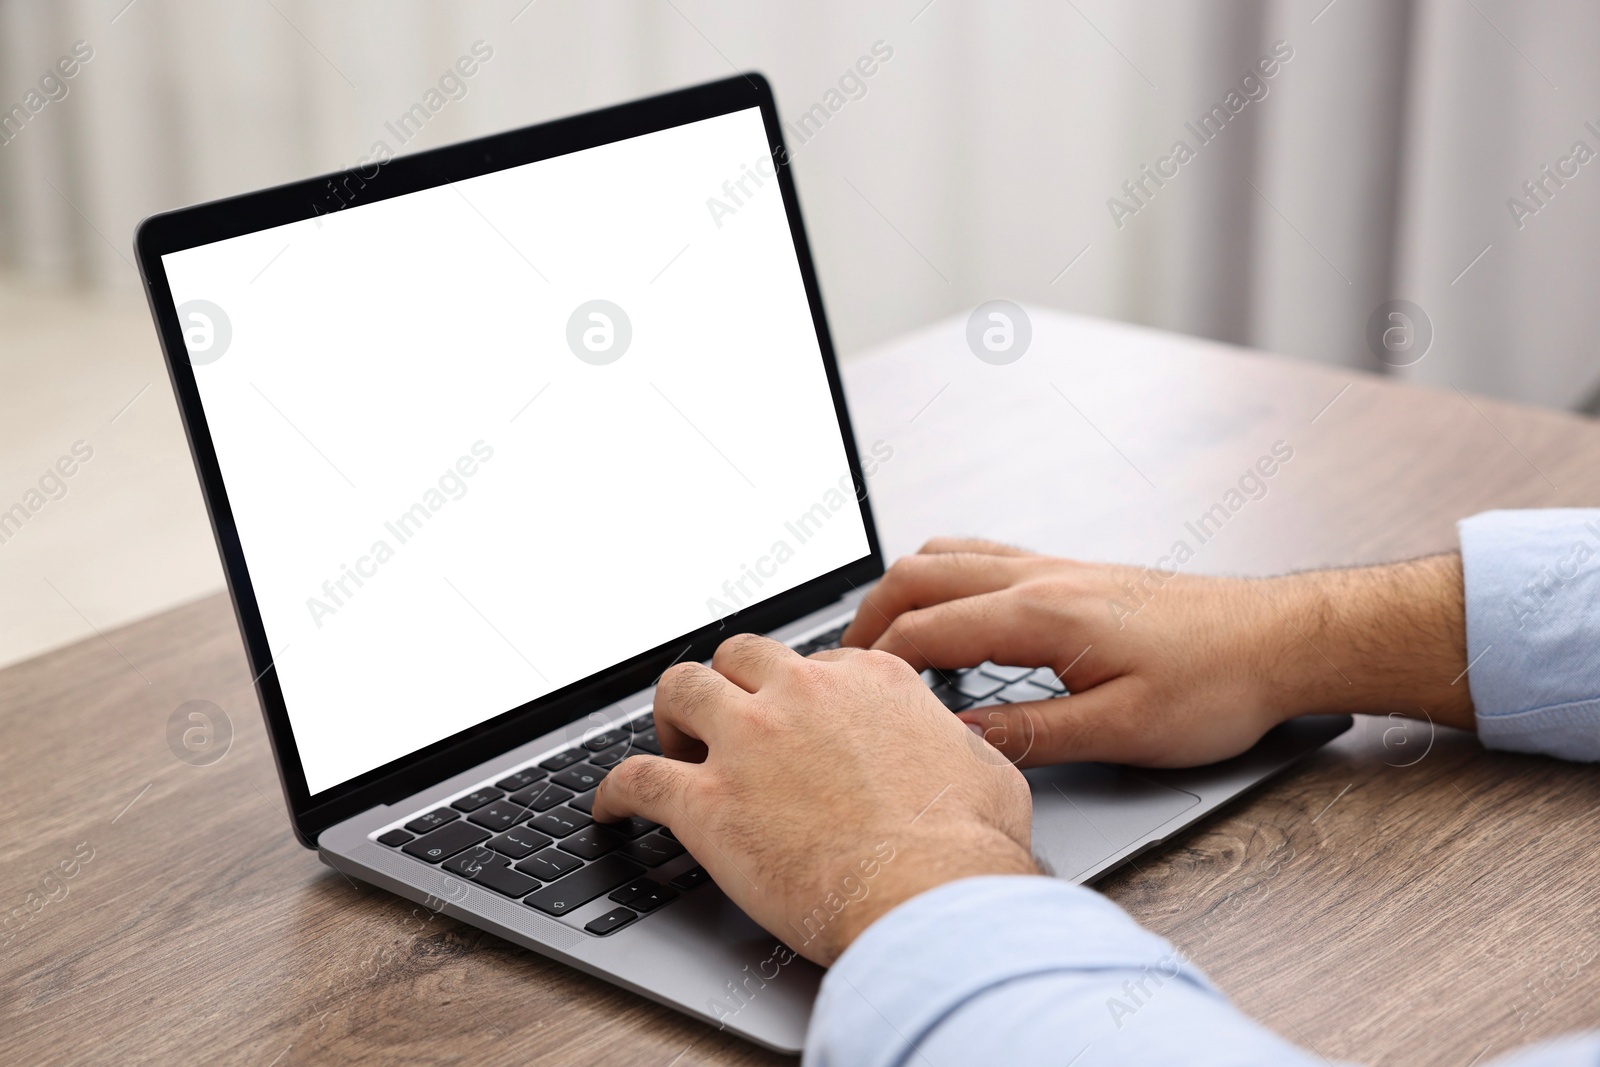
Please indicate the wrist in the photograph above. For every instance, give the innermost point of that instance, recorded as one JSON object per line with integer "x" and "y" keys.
{"x": 1373, "y": 639}
{"x": 916, "y": 866}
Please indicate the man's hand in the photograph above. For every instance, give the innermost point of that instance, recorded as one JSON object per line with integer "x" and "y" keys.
{"x": 1171, "y": 670}
{"x": 819, "y": 793}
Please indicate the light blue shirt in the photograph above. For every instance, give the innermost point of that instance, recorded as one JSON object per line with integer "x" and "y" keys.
{"x": 1027, "y": 970}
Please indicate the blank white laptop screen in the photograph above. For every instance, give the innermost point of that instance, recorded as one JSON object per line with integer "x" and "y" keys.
{"x": 488, "y": 439}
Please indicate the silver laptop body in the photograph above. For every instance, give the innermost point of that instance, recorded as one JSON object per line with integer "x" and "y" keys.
{"x": 482, "y": 816}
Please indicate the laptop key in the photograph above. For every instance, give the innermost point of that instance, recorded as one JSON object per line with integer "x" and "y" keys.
{"x": 519, "y": 842}
{"x": 502, "y": 879}
{"x": 694, "y": 876}
{"x": 642, "y": 723}
{"x": 647, "y": 741}
{"x": 605, "y": 740}
{"x": 501, "y": 815}
{"x": 580, "y": 779}
{"x": 520, "y": 779}
{"x": 1046, "y": 677}
{"x": 953, "y": 698}
{"x": 1005, "y": 674}
{"x": 651, "y": 851}
{"x": 631, "y": 827}
{"x": 394, "y": 838}
{"x": 560, "y": 822}
{"x": 563, "y": 759}
{"x": 477, "y": 799}
{"x": 977, "y": 685}
{"x": 657, "y": 896}
{"x": 431, "y": 821}
{"x": 632, "y": 891}
{"x": 541, "y": 796}
{"x": 1019, "y": 692}
{"x": 582, "y": 886}
{"x": 584, "y": 803}
{"x": 591, "y": 843}
{"x": 611, "y": 756}
{"x": 614, "y": 919}
{"x": 469, "y": 863}
{"x": 446, "y": 841}
{"x": 549, "y": 865}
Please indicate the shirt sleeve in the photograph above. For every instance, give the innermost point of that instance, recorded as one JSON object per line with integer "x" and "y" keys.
{"x": 1532, "y": 582}
{"x": 1020, "y": 969}
{"x": 1027, "y": 970}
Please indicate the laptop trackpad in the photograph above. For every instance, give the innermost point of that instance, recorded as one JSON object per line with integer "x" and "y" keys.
{"x": 1085, "y": 813}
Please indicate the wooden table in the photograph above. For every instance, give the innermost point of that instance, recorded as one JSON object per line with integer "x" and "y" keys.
{"x": 1401, "y": 898}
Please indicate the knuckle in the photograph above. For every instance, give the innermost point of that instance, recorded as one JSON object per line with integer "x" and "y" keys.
{"x": 685, "y": 687}
{"x": 743, "y": 644}
{"x": 813, "y": 672}
{"x": 886, "y": 663}
{"x": 672, "y": 680}
{"x": 646, "y": 780}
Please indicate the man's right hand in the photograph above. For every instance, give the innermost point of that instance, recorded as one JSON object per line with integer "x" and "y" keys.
{"x": 1173, "y": 670}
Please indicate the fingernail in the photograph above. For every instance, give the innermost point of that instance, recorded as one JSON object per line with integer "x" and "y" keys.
{"x": 975, "y": 728}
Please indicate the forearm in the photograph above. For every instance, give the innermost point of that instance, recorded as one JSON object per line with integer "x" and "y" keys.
{"x": 1372, "y": 639}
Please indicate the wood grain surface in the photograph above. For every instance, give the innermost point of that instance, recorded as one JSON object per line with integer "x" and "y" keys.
{"x": 1403, "y": 897}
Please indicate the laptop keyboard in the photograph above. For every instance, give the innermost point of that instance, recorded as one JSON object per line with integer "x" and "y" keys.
{"x": 531, "y": 834}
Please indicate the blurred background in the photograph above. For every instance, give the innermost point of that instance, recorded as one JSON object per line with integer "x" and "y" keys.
{"x": 1435, "y": 151}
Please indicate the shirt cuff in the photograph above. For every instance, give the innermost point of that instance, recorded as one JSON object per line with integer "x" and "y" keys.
{"x": 1532, "y": 582}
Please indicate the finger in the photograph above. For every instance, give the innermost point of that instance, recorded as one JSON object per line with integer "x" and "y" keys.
{"x": 648, "y": 786}
{"x": 829, "y": 655}
{"x": 964, "y": 633}
{"x": 1105, "y": 723}
{"x": 921, "y": 581}
{"x": 941, "y": 545}
{"x": 687, "y": 701}
{"x": 749, "y": 660}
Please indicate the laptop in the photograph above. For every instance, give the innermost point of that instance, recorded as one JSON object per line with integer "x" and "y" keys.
{"x": 492, "y": 435}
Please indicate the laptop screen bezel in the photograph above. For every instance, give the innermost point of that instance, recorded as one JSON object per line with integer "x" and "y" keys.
{"x": 298, "y": 201}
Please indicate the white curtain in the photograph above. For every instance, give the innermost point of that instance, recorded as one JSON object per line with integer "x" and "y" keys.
{"x": 980, "y": 159}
